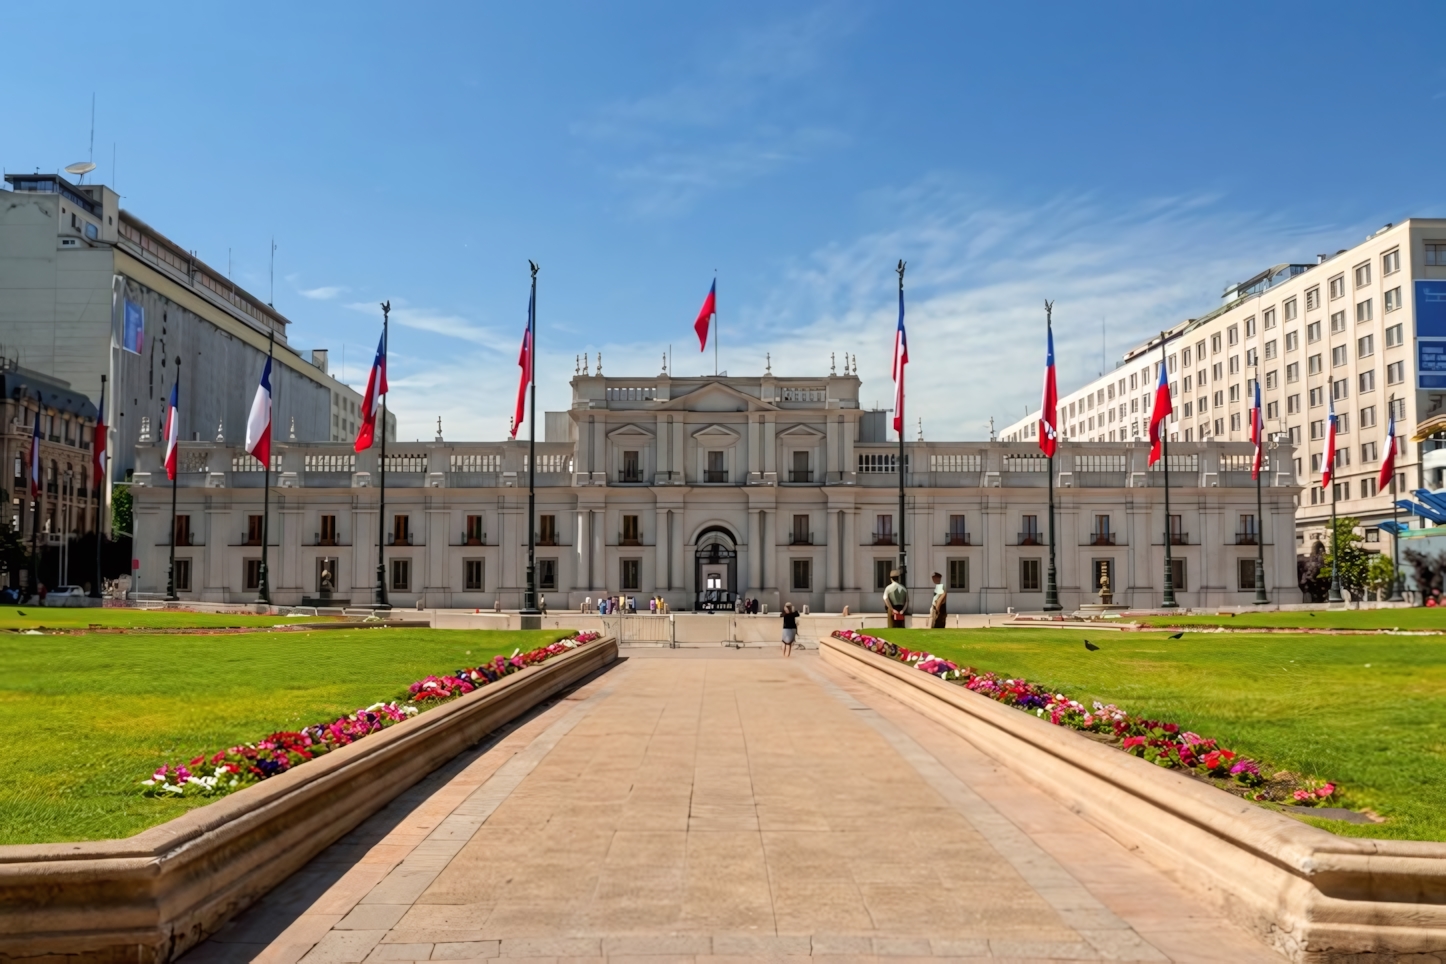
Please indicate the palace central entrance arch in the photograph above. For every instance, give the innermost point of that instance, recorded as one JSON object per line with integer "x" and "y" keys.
{"x": 715, "y": 570}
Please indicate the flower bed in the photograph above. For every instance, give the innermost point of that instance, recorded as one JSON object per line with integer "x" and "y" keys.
{"x": 1162, "y": 743}
{"x": 239, "y": 766}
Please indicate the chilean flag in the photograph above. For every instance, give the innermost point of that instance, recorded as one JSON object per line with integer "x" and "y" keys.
{"x": 901, "y": 358}
{"x": 1158, "y": 414}
{"x": 173, "y": 434}
{"x": 35, "y": 453}
{"x": 1388, "y": 465}
{"x": 376, "y": 388}
{"x": 705, "y": 315}
{"x": 97, "y": 459}
{"x": 1048, "y": 434}
{"x": 258, "y": 424}
{"x": 1257, "y": 431}
{"x": 1328, "y": 462}
{"x": 525, "y": 362}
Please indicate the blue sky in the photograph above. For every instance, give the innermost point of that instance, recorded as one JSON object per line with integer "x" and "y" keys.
{"x": 1126, "y": 160}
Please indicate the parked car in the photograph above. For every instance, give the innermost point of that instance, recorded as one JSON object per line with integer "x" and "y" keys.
{"x": 65, "y": 596}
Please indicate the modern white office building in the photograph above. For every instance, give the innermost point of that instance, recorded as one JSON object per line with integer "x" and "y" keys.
{"x": 88, "y": 289}
{"x": 701, "y": 490}
{"x": 1364, "y": 327}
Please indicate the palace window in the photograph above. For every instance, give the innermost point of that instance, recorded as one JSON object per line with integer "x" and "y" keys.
{"x": 473, "y": 571}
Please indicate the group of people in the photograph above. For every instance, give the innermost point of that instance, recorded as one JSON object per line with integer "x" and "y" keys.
{"x": 896, "y": 601}
{"x": 615, "y": 605}
{"x": 747, "y": 606}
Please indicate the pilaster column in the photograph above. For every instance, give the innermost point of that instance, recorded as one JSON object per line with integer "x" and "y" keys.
{"x": 755, "y": 551}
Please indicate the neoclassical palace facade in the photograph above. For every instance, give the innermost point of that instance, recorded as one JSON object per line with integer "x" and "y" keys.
{"x": 702, "y": 489}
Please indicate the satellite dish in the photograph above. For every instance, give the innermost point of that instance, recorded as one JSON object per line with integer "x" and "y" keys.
{"x": 81, "y": 168}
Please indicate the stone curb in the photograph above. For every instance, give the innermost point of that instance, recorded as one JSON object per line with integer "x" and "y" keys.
{"x": 152, "y": 896}
{"x": 1312, "y": 895}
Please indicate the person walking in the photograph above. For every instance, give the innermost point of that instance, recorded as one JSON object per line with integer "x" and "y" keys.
{"x": 939, "y": 609}
{"x": 790, "y": 628}
{"x": 896, "y": 600}
{"x": 542, "y": 604}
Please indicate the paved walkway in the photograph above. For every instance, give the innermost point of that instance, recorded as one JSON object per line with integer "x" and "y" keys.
{"x": 701, "y": 805}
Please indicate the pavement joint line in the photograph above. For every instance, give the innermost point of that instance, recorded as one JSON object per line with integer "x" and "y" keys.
{"x": 420, "y": 868}
{"x": 1054, "y": 884}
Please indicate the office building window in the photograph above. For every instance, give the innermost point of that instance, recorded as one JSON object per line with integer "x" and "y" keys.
{"x": 547, "y": 574}
{"x": 1398, "y": 412}
{"x": 1338, "y": 322}
{"x": 1245, "y": 570}
{"x": 473, "y": 571}
{"x": 1029, "y": 575}
{"x": 1292, "y": 372}
{"x": 1391, "y": 262}
{"x": 1312, "y": 332}
{"x": 1340, "y": 389}
{"x": 881, "y": 572}
{"x": 958, "y": 575}
{"x": 1338, "y": 287}
{"x": 1338, "y": 356}
{"x": 1436, "y": 253}
{"x": 1368, "y": 452}
{"x": 1364, "y": 311}
{"x": 1368, "y": 417}
{"x": 1272, "y": 379}
{"x": 1292, "y": 340}
{"x": 1317, "y": 397}
{"x": 1366, "y": 381}
{"x": 1272, "y": 410}
{"x": 1395, "y": 373}
{"x": 1363, "y": 274}
{"x": 1393, "y": 299}
{"x": 1312, "y": 299}
{"x": 631, "y": 575}
{"x": 1291, "y": 310}
{"x": 402, "y": 575}
{"x": 1177, "y": 575}
{"x": 1270, "y": 347}
{"x": 1394, "y": 336}
{"x": 803, "y": 574}
{"x": 1365, "y": 346}
{"x": 1292, "y": 404}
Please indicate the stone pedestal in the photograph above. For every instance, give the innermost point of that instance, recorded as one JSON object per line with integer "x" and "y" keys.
{"x": 531, "y": 621}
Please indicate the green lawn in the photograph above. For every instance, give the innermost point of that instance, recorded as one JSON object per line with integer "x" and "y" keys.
{"x": 1366, "y": 711}
{"x": 87, "y": 717}
{"x": 33, "y": 617}
{"x": 1418, "y": 618}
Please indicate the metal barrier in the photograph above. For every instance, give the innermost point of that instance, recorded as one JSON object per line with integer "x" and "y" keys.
{"x": 641, "y": 629}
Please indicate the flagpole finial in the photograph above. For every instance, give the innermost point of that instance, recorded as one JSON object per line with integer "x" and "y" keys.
{"x": 292, "y": 436}
{"x": 220, "y": 430}
{"x": 832, "y": 365}
{"x": 386, "y": 307}
{"x": 1048, "y": 312}
{"x": 900, "y": 270}
{"x": 533, "y": 265}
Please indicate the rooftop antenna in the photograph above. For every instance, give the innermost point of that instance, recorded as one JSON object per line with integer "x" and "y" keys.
{"x": 271, "y": 302}
{"x": 92, "y": 130}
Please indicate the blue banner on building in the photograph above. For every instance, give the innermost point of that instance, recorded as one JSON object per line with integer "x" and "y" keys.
{"x": 135, "y": 327}
{"x": 1431, "y": 309}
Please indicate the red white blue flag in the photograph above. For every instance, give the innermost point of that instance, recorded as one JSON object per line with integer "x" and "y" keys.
{"x": 35, "y": 453}
{"x": 706, "y": 314}
{"x": 1388, "y": 464}
{"x": 525, "y": 361}
{"x": 1159, "y": 413}
{"x": 258, "y": 424}
{"x": 173, "y": 433}
{"x": 97, "y": 459}
{"x": 1048, "y": 432}
{"x": 1257, "y": 431}
{"x": 372, "y": 401}
{"x": 1328, "y": 457}
{"x": 901, "y": 358}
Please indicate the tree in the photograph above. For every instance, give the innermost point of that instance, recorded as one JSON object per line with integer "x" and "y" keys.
{"x": 1380, "y": 576}
{"x": 1428, "y": 570}
{"x": 120, "y": 510}
{"x": 1308, "y": 573}
{"x": 1354, "y": 561}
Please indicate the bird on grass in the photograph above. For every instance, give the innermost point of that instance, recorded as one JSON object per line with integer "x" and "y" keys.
{"x": 1178, "y": 635}
{"x": 1090, "y": 646}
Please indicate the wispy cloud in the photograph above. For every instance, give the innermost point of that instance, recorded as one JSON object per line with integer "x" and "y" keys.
{"x": 440, "y": 323}
{"x": 734, "y": 120}
{"x": 324, "y": 293}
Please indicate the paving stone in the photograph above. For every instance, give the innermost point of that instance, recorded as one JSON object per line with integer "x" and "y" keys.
{"x": 465, "y": 950}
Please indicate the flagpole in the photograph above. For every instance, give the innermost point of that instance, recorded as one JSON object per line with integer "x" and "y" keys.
{"x": 171, "y": 574}
{"x": 529, "y": 600}
{"x": 1167, "y": 600}
{"x": 263, "y": 596}
{"x": 903, "y": 542}
{"x": 1335, "y": 593}
{"x": 1051, "y": 585}
{"x": 35, "y": 466}
{"x": 1395, "y": 510}
{"x": 1260, "y": 598}
{"x": 99, "y": 488}
{"x": 382, "y": 470}
{"x": 717, "y": 324}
